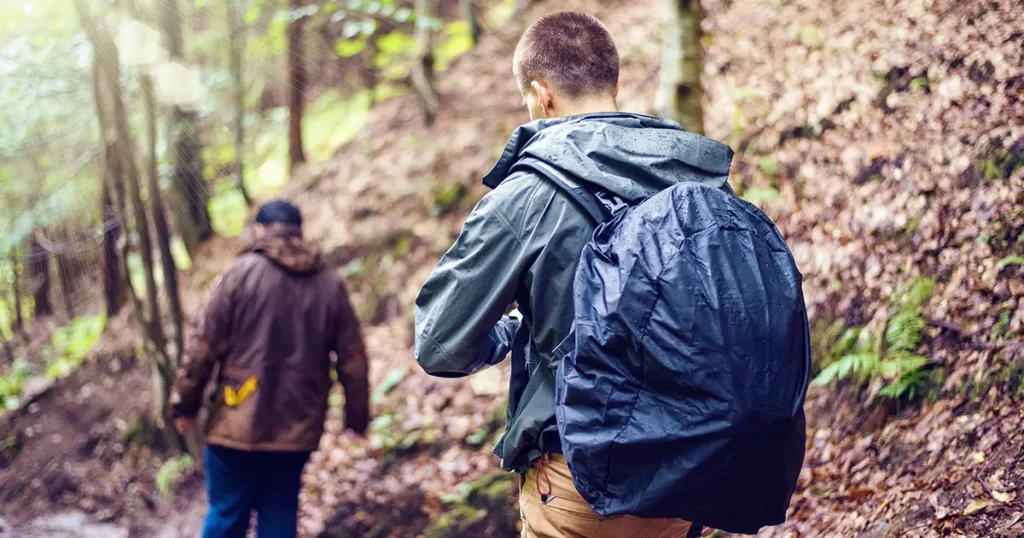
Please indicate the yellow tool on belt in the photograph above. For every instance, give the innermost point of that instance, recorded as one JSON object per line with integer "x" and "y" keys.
{"x": 234, "y": 398}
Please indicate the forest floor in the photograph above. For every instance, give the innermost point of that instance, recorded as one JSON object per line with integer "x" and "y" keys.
{"x": 884, "y": 137}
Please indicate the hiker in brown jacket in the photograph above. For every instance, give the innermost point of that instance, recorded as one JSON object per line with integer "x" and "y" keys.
{"x": 270, "y": 326}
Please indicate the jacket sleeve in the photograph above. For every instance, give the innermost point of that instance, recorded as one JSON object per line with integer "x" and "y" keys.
{"x": 352, "y": 366}
{"x": 459, "y": 324}
{"x": 208, "y": 340}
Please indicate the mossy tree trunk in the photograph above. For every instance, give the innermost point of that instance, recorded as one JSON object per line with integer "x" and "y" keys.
{"x": 680, "y": 94}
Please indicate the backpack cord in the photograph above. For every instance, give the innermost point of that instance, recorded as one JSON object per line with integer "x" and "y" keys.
{"x": 539, "y": 466}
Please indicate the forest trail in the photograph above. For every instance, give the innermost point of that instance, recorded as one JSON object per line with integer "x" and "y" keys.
{"x": 884, "y": 137}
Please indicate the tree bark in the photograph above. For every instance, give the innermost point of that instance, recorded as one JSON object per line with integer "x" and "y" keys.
{"x": 104, "y": 48}
{"x": 111, "y": 230}
{"x": 38, "y": 254}
{"x": 471, "y": 13}
{"x": 236, "y": 42}
{"x": 163, "y": 233}
{"x": 680, "y": 94}
{"x": 423, "y": 68}
{"x": 39, "y": 273}
{"x": 19, "y": 322}
{"x": 64, "y": 276}
{"x": 192, "y": 215}
{"x": 147, "y": 313}
{"x": 297, "y": 81}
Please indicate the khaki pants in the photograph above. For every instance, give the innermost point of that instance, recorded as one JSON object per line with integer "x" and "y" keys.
{"x": 565, "y": 514}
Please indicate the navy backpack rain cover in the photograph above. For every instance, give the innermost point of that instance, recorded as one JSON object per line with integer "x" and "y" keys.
{"x": 680, "y": 390}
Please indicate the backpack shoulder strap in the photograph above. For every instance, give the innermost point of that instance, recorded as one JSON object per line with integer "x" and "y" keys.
{"x": 587, "y": 200}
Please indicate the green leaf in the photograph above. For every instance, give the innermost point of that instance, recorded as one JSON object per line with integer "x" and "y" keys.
{"x": 904, "y": 333}
{"x": 391, "y": 381}
{"x": 171, "y": 471}
{"x": 769, "y": 166}
{"x": 846, "y": 367}
{"x": 349, "y": 47}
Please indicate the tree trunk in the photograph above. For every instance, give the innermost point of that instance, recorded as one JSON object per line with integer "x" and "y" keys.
{"x": 8, "y": 349}
{"x": 680, "y": 94}
{"x": 104, "y": 48}
{"x": 423, "y": 68}
{"x": 147, "y": 313}
{"x": 236, "y": 43}
{"x": 19, "y": 322}
{"x": 39, "y": 275}
{"x": 111, "y": 230}
{"x": 297, "y": 81}
{"x": 64, "y": 276}
{"x": 192, "y": 215}
{"x": 471, "y": 13}
{"x": 163, "y": 233}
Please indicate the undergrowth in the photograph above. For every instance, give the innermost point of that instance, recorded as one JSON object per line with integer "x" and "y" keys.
{"x": 863, "y": 356}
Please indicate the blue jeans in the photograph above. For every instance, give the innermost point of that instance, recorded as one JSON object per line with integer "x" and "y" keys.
{"x": 240, "y": 482}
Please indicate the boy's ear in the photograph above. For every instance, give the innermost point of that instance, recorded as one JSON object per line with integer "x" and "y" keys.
{"x": 545, "y": 97}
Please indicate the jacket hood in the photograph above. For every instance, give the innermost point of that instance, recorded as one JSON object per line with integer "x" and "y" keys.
{"x": 286, "y": 249}
{"x": 629, "y": 155}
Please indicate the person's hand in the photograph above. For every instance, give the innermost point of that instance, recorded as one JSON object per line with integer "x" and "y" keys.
{"x": 186, "y": 425}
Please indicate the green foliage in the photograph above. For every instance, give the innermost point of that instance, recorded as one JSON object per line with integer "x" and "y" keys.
{"x": 769, "y": 166}
{"x": 864, "y": 356}
{"x": 759, "y": 195}
{"x": 171, "y": 471}
{"x": 72, "y": 342}
{"x": 10, "y": 385}
{"x": 457, "y": 41}
{"x": 903, "y": 334}
{"x": 1016, "y": 260}
{"x": 391, "y": 381}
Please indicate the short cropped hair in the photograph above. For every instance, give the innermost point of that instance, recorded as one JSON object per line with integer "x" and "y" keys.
{"x": 573, "y": 52}
{"x": 280, "y": 212}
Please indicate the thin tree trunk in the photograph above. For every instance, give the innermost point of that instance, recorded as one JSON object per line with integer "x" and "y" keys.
{"x": 39, "y": 255}
{"x": 297, "y": 81}
{"x": 423, "y": 68}
{"x": 105, "y": 49}
{"x": 8, "y": 350}
{"x": 39, "y": 273}
{"x": 163, "y": 234}
{"x": 148, "y": 313}
{"x": 111, "y": 229}
{"x": 680, "y": 95}
{"x": 236, "y": 43}
{"x": 471, "y": 13}
{"x": 192, "y": 217}
{"x": 19, "y": 322}
{"x": 64, "y": 276}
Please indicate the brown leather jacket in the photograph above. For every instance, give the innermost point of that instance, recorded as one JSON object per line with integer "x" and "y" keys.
{"x": 271, "y": 324}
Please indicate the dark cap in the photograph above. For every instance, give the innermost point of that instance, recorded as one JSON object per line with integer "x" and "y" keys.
{"x": 279, "y": 212}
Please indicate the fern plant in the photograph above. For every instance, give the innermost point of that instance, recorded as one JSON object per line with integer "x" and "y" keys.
{"x": 863, "y": 355}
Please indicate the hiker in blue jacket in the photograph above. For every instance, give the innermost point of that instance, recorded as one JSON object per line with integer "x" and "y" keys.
{"x": 521, "y": 244}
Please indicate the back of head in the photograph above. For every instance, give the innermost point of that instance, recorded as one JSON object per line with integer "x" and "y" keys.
{"x": 280, "y": 212}
{"x": 572, "y": 52}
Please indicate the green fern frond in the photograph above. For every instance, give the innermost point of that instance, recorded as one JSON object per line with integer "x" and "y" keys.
{"x": 1015, "y": 259}
{"x": 846, "y": 342}
{"x": 919, "y": 294}
{"x": 908, "y": 386}
{"x": 857, "y": 364}
{"x": 899, "y": 366}
{"x": 903, "y": 334}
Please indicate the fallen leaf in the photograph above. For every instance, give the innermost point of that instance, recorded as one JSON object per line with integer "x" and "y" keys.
{"x": 1002, "y": 497}
{"x": 974, "y": 507}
